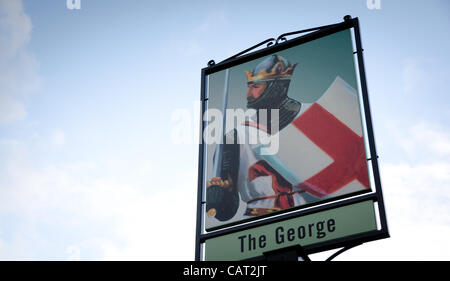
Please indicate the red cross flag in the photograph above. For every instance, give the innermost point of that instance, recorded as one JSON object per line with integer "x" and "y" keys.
{"x": 322, "y": 151}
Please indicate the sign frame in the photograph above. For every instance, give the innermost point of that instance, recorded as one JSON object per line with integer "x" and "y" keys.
{"x": 375, "y": 195}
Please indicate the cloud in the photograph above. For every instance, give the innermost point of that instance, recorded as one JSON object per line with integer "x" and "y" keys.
{"x": 412, "y": 76}
{"x": 79, "y": 211}
{"x": 73, "y": 252}
{"x": 16, "y": 27}
{"x": 18, "y": 67}
{"x": 434, "y": 138}
{"x": 213, "y": 20}
{"x": 11, "y": 109}
{"x": 424, "y": 84}
{"x": 199, "y": 37}
{"x": 417, "y": 194}
{"x": 160, "y": 227}
{"x": 423, "y": 141}
{"x": 58, "y": 138}
{"x": 419, "y": 185}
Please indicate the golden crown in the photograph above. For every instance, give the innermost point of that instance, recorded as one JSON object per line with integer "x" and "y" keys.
{"x": 272, "y": 68}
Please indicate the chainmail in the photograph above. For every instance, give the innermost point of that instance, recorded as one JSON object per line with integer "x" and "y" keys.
{"x": 275, "y": 97}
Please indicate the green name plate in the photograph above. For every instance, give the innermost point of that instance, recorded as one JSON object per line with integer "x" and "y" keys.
{"x": 305, "y": 230}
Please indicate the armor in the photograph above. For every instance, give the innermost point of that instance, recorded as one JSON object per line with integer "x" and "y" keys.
{"x": 276, "y": 71}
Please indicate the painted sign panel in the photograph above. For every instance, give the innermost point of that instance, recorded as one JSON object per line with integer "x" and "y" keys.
{"x": 290, "y": 133}
{"x": 306, "y": 230}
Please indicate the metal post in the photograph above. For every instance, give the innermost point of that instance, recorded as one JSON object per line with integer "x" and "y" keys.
{"x": 200, "y": 172}
{"x": 373, "y": 152}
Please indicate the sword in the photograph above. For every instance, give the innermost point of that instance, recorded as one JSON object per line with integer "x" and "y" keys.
{"x": 219, "y": 147}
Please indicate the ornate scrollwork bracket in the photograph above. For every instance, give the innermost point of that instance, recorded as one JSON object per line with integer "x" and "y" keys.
{"x": 280, "y": 39}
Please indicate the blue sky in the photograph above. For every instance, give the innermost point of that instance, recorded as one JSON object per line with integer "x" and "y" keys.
{"x": 88, "y": 168}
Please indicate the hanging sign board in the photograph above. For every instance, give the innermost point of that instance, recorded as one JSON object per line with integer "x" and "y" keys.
{"x": 285, "y": 130}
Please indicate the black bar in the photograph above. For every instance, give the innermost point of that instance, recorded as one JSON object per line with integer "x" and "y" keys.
{"x": 200, "y": 172}
{"x": 182, "y": 270}
{"x": 373, "y": 152}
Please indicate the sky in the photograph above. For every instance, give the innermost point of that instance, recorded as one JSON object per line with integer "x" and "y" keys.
{"x": 90, "y": 168}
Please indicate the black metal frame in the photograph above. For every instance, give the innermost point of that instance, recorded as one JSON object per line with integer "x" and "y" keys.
{"x": 291, "y": 253}
{"x": 375, "y": 196}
